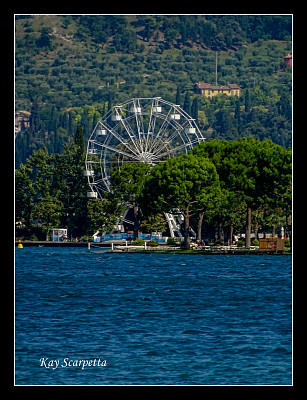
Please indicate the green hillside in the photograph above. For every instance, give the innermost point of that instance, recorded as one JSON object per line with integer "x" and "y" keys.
{"x": 72, "y": 69}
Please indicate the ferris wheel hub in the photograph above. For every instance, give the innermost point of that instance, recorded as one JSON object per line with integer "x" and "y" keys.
{"x": 146, "y": 157}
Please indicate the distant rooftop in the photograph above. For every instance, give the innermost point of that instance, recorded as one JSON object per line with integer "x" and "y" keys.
{"x": 229, "y": 86}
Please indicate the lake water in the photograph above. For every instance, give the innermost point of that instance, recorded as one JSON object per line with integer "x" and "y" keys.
{"x": 151, "y": 319}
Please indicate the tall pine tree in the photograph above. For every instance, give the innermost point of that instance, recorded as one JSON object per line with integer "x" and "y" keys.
{"x": 178, "y": 96}
{"x": 79, "y": 140}
{"x": 247, "y": 101}
{"x": 194, "y": 109}
{"x": 187, "y": 103}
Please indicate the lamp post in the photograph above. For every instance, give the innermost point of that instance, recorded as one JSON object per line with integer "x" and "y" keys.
{"x": 69, "y": 224}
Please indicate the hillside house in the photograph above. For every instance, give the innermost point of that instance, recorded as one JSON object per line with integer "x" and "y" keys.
{"x": 288, "y": 59}
{"x": 21, "y": 120}
{"x": 231, "y": 89}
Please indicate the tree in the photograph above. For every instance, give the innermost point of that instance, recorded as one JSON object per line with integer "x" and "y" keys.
{"x": 224, "y": 125}
{"x": 24, "y": 195}
{"x": 247, "y": 101}
{"x": 52, "y": 188}
{"x": 45, "y": 39}
{"x": 154, "y": 223}
{"x": 42, "y": 167}
{"x": 72, "y": 184}
{"x": 237, "y": 116}
{"x": 48, "y": 210}
{"x": 284, "y": 106}
{"x": 47, "y": 207}
{"x": 34, "y": 120}
{"x": 178, "y": 96}
{"x": 256, "y": 172}
{"x": 79, "y": 141}
{"x": 187, "y": 103}
{"x": 224, "y": 211}
{"x": 126, "y": 188}
{"x": 185, "y": 183}
{"x": 170, "y": 35}
{"x": 275, "y": 178}
{"x": 101, "y": 215}
{"x": 240, "y": 176}
{"x": 194, "y": 109}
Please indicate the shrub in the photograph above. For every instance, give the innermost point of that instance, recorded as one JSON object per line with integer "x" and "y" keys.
{"x": 255, "y": 242}
{"x": 172, "y": 240}
{"x": 153, "y": 243}
{"x": 86, "y": 238}
{"x": 287, "y": 242}
{"x": 139, "y": 242}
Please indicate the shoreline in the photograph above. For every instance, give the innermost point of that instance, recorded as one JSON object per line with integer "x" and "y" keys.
{"x": 99, "y": 248}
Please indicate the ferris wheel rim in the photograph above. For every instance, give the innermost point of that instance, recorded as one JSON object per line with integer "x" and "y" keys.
{"x": 138, "y": 131}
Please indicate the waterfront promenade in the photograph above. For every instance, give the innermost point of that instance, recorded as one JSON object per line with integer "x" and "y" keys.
{"x": 120, "y": 247}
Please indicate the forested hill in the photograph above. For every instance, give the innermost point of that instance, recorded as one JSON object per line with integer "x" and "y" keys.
{"x": 71, "y": 69}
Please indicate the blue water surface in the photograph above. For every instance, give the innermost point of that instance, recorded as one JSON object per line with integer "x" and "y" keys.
{"x": 155, "y": 319}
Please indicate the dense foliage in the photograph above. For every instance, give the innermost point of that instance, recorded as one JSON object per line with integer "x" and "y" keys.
{"x": 71, "y": 69}
{"x": 186, "y": 183}
{"x": 220, "y": 187}
{"x": 254, "y": 176}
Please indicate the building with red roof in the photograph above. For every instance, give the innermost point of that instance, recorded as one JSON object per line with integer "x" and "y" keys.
{"x": 231, "y": 89}
{"x": 288, "y": 59}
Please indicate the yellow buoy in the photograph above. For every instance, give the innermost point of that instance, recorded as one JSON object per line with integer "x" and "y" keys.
{"x": 20, "y": 246}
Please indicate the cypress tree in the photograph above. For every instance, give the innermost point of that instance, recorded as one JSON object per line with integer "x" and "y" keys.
{"x": 34, "y": 119}
{"x": 79, "y": 139}
{"x": 70, "y": 124}
{"x": 247, "y": 101}
{"x": 178, "y": 96}
{"x": 194, "y": 109}
{"x": 237, "y": 115}
{"x": 187, "y": 103}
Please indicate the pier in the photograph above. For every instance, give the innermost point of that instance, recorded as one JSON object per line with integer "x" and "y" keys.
{"x": 120, "y": 247}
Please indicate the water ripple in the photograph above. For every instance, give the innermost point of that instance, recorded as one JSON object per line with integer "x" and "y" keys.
{"x": 157, "y": 320}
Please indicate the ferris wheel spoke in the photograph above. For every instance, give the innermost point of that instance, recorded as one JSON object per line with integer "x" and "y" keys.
{"x": 155, "y": 109}
{"x": 137, "y": 110}
{"x": 159, "y": 146}
{"x": 169, "y": 120}
{"x": 177, "y": 133}
{"x": 119, "y": 151}
{"x": 131, "y": 134}
{"x": 163, "y": 126}
{"x": 124, "y": 120}
{"x": 119, "y": 138}
{"x": 160, "y": 133}
{"x": 153, "y": 117}
{"x": 174, "y": 149}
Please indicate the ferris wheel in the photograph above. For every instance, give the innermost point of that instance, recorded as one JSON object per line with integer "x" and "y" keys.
{"x": 148, "y": 130}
